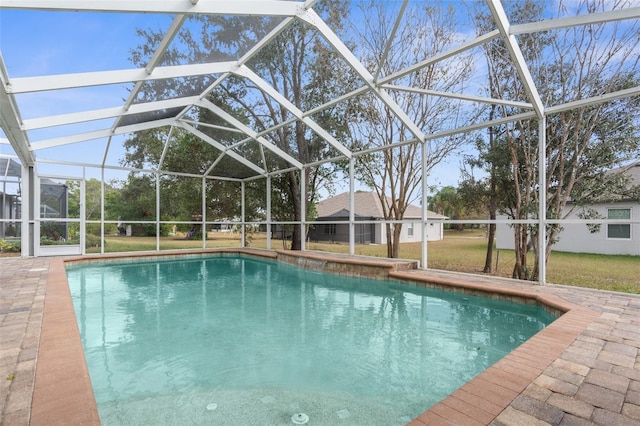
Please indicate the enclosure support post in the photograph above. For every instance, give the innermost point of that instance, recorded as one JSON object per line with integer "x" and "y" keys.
{"x": 27, "y": 233}
{"x": 83, "y": 212}
{"x": 204, "y": 213}
{"x": 157, "y": 176}
{"x": 34, "y": 212}
{"x": 303, "y": 209}
{"x": 425, "y": 189}
{"x": 268, "y": 212}
{"x": 352, "y": 208}
{"x": 542, "y": 200}
{"x": 4, "y": 203}
{"x": 102, "y": 210}
{"x": 244, "y": 241}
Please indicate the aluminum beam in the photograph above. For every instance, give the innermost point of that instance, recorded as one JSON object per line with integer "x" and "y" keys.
{"x": 105, "y": 113}
{"x": 249, "y": 132}
{"x": 313, "y": 19}
{"x": 11, "y": 121}
{"x": 207, "y": 7}
{"x": 102, "y": 78}
{"x": 99, "y": 134}
{"x": 592, "y": 18}
{"x": 244, "y": 71}
{"x": 387, "y": 45}
{"x": 607, "y": 97}
{"x": 442, "y": 56}
{"x": 469, "y": 98}
{"x": 214, "y": 143}
{"x": 501, "y": 20}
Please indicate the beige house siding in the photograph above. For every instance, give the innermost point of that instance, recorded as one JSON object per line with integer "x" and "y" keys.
{"x": 577, "y": 238}
{"x": 368, "y": 207}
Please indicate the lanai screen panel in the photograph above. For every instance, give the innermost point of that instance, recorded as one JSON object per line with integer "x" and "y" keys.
{"x": 179, "y": 64}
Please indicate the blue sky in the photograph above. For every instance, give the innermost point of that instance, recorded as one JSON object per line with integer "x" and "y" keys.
{"x": 36, "y": 43}
{"x": 39, "y": 43}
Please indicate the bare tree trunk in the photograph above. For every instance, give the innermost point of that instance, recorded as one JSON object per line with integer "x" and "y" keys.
{"x": 490, "y": 240}
{"x": 517, "y": 270}
{"x": 397, "y": 229}
{"x": 294, "y": 187}
{"x": 493, "y": 202}
{"x": 389, "y": 241}
{"x": 396, "y": 172}
{"x": 519, "y": 267}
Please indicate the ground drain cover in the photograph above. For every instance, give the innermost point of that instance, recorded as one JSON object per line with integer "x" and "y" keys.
{"x": 299, "y": 418}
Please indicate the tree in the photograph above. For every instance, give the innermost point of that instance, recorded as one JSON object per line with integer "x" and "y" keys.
{"x": 303, "y": 69}
{"x": 448, "y": 202}
{"x": 491, "y": 193}
{"x": 296, "y": 63}
{"x": 92, "y": 198}
{"x": 93, "y": 201}
{"x": 584, "y": 142}
{"x": 137, "y": 201}
{"x": 396, "y": 173}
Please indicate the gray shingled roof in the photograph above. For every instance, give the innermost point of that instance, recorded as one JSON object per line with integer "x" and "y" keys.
{"x": 9, "y": 167}
{"x": 634, "y": 173}
{"x": 367, "y": 205}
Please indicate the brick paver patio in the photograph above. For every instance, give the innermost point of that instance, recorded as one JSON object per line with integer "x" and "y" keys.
{"x": 593, "y": 379}
{"x": 22, "y": 292}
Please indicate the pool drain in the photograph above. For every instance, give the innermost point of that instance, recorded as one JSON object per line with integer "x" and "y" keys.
{"x": 299, "y": 418}
{"x": 212, "y": 406}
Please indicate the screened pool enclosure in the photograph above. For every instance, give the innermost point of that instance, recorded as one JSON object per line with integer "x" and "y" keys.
{"x": 211, "y": 98}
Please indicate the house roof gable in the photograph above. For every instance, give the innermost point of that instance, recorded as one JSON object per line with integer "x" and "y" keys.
{"x": 367, "y": 204}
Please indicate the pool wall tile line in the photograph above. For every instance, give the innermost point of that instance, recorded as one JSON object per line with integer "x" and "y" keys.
{"x": 169, "y": 255}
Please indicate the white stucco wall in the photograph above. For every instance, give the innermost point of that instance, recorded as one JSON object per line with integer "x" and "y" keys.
{"x": 435, "y": 232}
{"x": 577, "y": 238}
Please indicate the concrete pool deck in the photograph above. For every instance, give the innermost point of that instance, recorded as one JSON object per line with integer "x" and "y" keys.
{"x": 583, "y": 369}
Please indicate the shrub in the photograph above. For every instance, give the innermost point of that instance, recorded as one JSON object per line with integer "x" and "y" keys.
{"x": 92, "y": 241}
{"x": 149, "y": 229}
{"x": 9, "y": 246}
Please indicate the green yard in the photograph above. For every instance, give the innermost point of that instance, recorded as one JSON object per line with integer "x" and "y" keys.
{"x": 459, "y": 251}
{"x": 465, "y": 252}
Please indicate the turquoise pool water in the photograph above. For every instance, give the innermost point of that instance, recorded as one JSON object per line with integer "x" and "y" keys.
{"x": 236, "y": 340}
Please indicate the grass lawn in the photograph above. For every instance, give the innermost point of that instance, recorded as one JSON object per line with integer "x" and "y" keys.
{"x": 466, "y": 251}
{"x": 459, "y": 251}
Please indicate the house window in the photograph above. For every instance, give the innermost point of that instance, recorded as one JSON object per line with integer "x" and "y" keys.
{"x": 619, "y": 230}
{"x": 410, "y": 230}
{"x": 330, "y": 228}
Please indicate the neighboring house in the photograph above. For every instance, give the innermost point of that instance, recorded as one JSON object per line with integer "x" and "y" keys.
{"x": 10, "y": 172}
{"x": 10, "y": 213}
{"x": 54, "y": 202}
{"x": 612, "y": 238}
{"x": 368, "y": 208}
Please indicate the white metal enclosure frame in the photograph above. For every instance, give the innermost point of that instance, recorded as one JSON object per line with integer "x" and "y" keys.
{"x": 18, "y": 130}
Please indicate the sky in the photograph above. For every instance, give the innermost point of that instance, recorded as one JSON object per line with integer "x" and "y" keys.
{"x": 42, "y": 43}
{"x": 38, "y": 43}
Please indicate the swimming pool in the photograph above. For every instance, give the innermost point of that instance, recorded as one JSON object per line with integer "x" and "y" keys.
{"x": 237, "y": 340}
